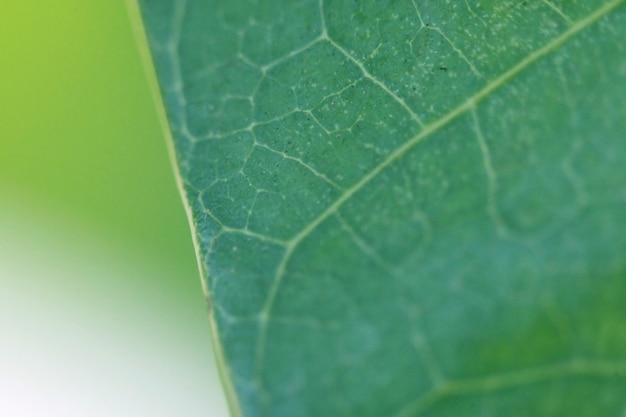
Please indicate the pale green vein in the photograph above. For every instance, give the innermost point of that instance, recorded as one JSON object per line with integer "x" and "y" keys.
{"x": 363, "y": 246}
{"x": 492, "y": 184}
{"x": 364, "y": 70}
{"x": 428, "y": 130}
{"x": 557, "y": 11}
{"x": 254, "y": 235}
{"x": 379, "y": 83}
{"x": 265, "y": 68}
{"x": 454, "y": 388}
{"x": 301, "y": 163}
{"x": 448, "y": 40}
{"x": 425, "y": 352}
{"x": 473, "y": 13}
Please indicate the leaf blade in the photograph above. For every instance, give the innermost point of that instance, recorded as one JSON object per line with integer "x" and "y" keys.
{"x": 266, "y": 320}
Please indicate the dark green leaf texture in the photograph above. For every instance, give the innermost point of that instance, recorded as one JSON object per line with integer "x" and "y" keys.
{"x": 406, "y": 208}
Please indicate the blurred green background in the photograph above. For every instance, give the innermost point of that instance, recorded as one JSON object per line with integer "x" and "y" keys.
{"x": 101, "y": 307}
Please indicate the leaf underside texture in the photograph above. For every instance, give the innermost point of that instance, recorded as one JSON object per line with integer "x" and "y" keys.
{"x": 405, "y": 208}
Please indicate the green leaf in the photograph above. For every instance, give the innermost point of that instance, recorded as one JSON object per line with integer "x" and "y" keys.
{"x": 405, "y": 208}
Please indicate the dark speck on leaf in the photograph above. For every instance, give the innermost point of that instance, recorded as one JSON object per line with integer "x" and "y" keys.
{"x": 443, "y": 68}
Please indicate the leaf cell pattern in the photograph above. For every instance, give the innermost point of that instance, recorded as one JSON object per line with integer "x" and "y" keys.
{"x": 407, "y": 208}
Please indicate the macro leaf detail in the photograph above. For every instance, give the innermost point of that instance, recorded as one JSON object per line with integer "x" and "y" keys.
{"x": 405, "y": 208}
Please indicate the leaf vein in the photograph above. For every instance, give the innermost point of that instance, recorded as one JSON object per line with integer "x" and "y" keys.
{"x": 428, "y": 130}
{"x": 496, "y": 382}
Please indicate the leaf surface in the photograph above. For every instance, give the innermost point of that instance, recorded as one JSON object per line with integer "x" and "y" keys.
{"x": 405, "y": 208}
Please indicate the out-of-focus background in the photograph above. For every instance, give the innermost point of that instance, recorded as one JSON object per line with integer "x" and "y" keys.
{"x": 101, "y": 308}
